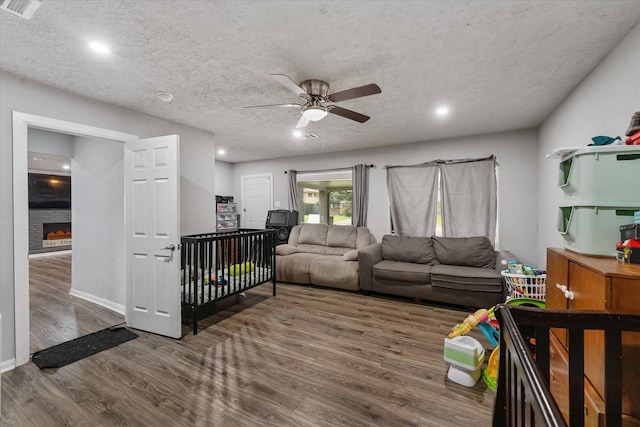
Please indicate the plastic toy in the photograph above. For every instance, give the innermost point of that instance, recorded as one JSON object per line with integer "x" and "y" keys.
{"x": 465, "y": 354}
{"x": 473, "y": 320}
{"x": 490, "y": 375}
{"x": 515, "y": 267}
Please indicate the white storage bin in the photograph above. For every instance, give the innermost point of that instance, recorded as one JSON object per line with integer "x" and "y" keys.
{"x": 593, "y": 229}
{"x": 604, "y": 174}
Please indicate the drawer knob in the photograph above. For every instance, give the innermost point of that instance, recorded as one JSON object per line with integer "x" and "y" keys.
{"x": 567, "y": 293}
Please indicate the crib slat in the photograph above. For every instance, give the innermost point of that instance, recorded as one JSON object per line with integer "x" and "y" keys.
{"x": 613, "y": 374}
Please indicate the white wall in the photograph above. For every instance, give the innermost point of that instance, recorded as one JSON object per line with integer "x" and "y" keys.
{"x": 516, "y": 152}
{"x": 223, "y": 178}
{"x": 97, "y": 209}
{"x": 197, "y": 178}
{"x": 601, "y": 105}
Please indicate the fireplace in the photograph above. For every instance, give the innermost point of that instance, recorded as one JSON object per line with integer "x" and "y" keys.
{"x": 56, "y": 234}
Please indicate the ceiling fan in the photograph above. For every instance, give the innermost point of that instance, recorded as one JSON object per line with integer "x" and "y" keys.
{"x": 315, "y": 94}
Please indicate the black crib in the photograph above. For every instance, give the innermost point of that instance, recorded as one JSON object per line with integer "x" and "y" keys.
{"x": 216, "y": 266}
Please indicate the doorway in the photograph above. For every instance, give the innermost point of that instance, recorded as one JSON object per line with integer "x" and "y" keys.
{"x": 21, "y": 123}
{"x": 82, "y": 291}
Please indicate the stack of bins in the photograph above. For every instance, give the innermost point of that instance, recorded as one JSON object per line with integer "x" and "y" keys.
{"x": 601, "y": 187}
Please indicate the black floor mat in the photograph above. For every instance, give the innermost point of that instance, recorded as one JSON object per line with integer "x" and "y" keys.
{"x": 79, "y": 348}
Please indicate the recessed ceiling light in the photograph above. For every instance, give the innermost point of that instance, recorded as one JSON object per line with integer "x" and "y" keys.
{"x": 222, "y": 152}
{"x": 297, "y": 133}
{"x": 442, "y": 111}
{"x": 66, "y": 167}
{"x": 100, "y": 48}
{"x": 164, "y": 96}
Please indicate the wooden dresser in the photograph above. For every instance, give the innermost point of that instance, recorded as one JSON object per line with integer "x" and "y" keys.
{"x": 582, "y": 282}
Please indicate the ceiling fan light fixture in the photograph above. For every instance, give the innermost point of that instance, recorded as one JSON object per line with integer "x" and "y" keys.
{"x": 314, "y": 113}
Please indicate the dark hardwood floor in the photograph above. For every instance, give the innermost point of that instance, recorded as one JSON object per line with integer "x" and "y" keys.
{"x": 307, "y": 357}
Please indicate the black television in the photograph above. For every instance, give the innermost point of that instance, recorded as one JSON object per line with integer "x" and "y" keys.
{"x": 49, "y": 191}
{"x": 281, "y": 218}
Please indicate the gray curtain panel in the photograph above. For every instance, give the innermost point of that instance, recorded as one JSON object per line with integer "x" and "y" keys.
{"x": 469, "y": 198}
{"x": 413, "y": 192}
{"x": 360, "y": 195}
{"x": 294, "y": 200}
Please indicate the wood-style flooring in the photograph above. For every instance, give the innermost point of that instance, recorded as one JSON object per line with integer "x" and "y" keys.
{"x": 307, "y": 357}
{"x": 55, "y": 315}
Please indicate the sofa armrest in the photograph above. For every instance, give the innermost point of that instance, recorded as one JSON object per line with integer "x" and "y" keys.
{"x": 367, "y": 258}
{"x": 503, "y": 256}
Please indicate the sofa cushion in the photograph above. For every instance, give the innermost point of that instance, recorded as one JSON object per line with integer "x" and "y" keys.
{"x": 313, "y": 249}
{"x": 402, "y": 272}
{"x": 465, "y": 251}
{"x": 466, "y": 278}
{"x": 330, "y": 250}
{"x": 313, "y": 234}
{"x": 286, "y": 249}
{"x": 332, "y": 271}
{"x": 342, "y": 236}
{"x": 408, "y": 249}
{"x": 295, "y": 267}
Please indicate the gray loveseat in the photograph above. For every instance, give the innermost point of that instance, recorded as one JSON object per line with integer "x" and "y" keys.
{"x": 324, "y": 255}
{"x": 463, "y": 271}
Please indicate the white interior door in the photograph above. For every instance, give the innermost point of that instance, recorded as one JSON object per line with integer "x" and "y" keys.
{"x": 257, "y": 198}
{"x": 152, "y": 201}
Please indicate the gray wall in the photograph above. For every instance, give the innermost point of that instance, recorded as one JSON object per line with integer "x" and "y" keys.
{"x": 98, "y": 262}
{"x": 601, "y": 105}
{"x": 58, "y": 144}
{"x": 517, "y": 176}
{"x": 223, "y": 178}
{"x": 197, "y": 153}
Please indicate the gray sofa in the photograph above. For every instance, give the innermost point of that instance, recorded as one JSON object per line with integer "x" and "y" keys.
{"x": 324, "y": 255}
{"x": 462, "y": 271}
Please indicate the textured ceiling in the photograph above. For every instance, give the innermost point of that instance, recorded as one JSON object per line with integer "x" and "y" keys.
{"x": 500, "y": 65}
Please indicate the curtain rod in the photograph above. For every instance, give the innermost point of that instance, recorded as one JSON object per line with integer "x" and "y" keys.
{"x": 446, "y": 162}
{"x": 329, "y": 170}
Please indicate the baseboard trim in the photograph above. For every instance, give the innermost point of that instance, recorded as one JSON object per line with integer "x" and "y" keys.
{"x": 50, "y": 253}
{"x": 118, "y": 308}
{"x": 7, "y": 365}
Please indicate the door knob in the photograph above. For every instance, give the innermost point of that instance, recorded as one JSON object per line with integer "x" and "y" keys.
{"x": 170, "y": 247}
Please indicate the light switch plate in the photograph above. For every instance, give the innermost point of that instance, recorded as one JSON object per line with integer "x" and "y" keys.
{"x": 277, "y": 204}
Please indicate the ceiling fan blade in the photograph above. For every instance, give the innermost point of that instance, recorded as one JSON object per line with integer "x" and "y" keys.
{"x": 275, "y": 105}
{"x": 289, "y": 84}
{"x": 349, "y": 114}
{"x": 303, "y": 122}
{"x": 355, "y": 92}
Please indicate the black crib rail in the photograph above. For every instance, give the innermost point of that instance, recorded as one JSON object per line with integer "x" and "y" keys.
{"x": 523, "y": 397}
{"x": 210, "y": 262}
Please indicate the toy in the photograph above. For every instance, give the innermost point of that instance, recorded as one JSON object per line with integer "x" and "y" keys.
{"x": 474, "y": 319}
{"x": 515, "y": 267}
{"x": 465, "y": 354}
{"x": 240, "y": 269}
{"x": 490, "y": 375}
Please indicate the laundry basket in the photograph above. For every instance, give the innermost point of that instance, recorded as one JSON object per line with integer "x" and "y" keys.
{"x": 525, "y": 285}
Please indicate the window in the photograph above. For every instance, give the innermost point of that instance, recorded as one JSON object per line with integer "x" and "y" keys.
{"x": 457, "y": 198}
{"x": 327, "y": 196}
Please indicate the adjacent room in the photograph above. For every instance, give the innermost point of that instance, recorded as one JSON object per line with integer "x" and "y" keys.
{"x": 319, "y": 213}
